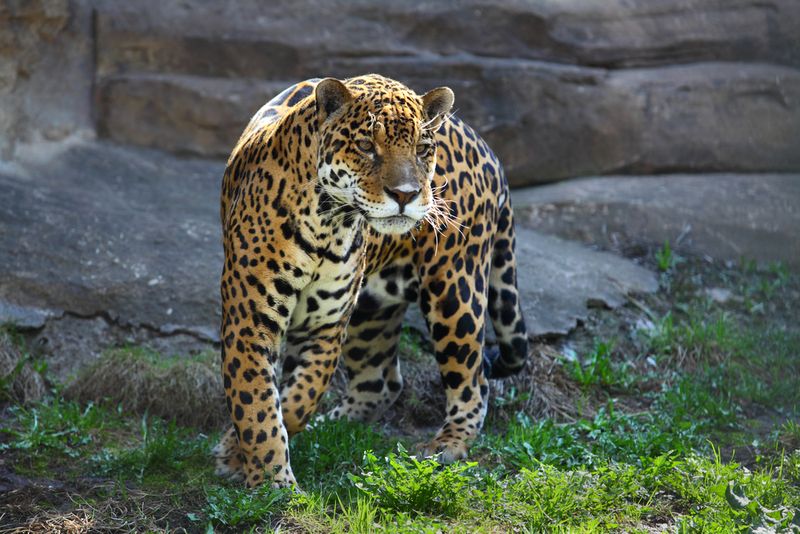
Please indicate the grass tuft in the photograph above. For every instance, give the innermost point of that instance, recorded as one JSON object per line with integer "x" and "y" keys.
{"x": 187, "y": 390}
{"x": 21, "y": 378}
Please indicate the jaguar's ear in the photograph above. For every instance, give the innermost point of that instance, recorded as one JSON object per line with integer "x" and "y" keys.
{"x": 436, "y": 103}
{"x": 331, "y": 94}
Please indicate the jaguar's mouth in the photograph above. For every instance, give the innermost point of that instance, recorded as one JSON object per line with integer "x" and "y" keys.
{"x": 394, "y": 224}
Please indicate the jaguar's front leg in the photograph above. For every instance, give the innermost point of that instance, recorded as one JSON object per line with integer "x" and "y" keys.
{"x": 314, "y": 345}
{"x": 257, "y": 304}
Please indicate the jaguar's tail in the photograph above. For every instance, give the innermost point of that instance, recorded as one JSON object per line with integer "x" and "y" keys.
{"x": 510, "y": 355}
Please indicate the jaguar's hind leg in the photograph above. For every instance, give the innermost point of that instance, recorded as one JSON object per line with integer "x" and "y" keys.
{"x": 370, "y": 357}
{"x": 228, "y": 458}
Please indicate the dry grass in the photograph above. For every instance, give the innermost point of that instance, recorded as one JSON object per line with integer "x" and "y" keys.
{"x": 136, "y": 511}
{"x": 549, "y": 392}
{"x": 55, "y": 522}
{"x": 20, "y": 380}
{"x": 188, "y": 391}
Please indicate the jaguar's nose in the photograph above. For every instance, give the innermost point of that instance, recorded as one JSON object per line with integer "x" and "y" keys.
{"x": 403, "y": 194}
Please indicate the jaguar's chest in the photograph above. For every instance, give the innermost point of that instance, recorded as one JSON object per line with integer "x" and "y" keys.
{"x": 331, "y": 293}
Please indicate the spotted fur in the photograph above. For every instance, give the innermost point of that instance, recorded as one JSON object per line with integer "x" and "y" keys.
{"x": 343, "y": 202}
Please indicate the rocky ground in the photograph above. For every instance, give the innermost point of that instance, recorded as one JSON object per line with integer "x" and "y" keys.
{"x": 106, "y": 246}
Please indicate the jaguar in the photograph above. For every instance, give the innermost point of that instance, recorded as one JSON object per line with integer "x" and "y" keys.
{"x": 342, "y": 202}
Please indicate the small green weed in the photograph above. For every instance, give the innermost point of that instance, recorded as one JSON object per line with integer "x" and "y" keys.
{"x": 665, "y": 258}
{"x": 402, "y": 483}
{"x": 598, "y": 369}
{"x": 411, "y": 344}
{"x": 512, "y": 398}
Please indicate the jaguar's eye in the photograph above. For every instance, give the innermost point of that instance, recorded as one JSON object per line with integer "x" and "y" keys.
{"x": 423, "y": 149}
{"x": 365, "y": 145}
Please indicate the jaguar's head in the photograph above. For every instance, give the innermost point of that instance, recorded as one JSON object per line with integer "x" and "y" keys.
{"x": 377, "y": 149}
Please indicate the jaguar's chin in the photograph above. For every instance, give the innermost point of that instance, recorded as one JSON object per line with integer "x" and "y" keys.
{"x": 394, "y": 224}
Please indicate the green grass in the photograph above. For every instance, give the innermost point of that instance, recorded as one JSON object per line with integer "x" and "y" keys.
{"x": 57, "y": 428}
{"x": 712, "y": 444}
{"x": 615, "y": 471}
{"x": 166, "y": 454}
{"x": 325, "y": 453}
{"x": 238, "y": 507}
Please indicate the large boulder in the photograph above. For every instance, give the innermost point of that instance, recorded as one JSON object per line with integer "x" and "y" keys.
{"x": 560, "y": 89}
{"x": 180, "y": 113}
{"x": 100, "y": 231}
{"x": 546, "y": 121}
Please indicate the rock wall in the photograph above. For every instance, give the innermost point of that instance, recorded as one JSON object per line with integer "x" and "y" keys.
{"x": 46, "y": 71}
{"x": 560, "y": 88}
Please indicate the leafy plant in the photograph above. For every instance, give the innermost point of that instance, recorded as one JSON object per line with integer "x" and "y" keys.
{"x": 404, "y": 483}
{"x": 238, "y": 507}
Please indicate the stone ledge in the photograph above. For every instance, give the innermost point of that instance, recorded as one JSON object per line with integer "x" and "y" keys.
{"x": 723, "y": 216}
